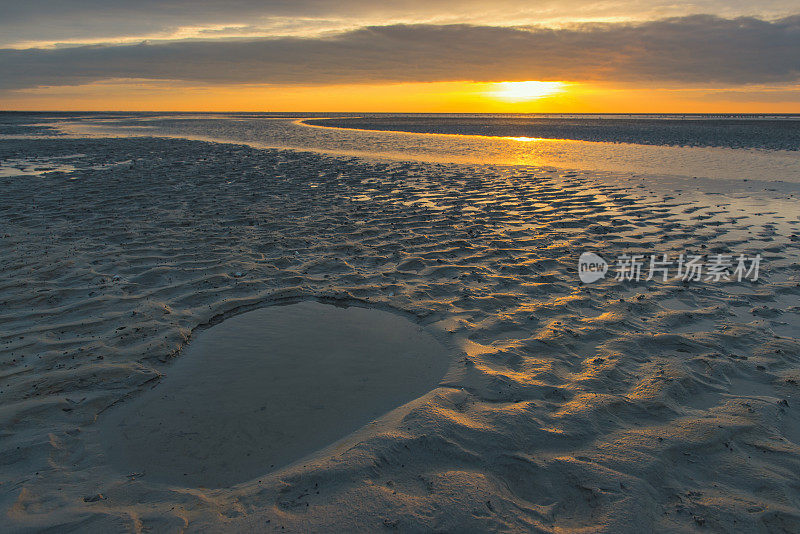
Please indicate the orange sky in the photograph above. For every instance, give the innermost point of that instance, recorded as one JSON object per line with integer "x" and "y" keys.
{"x": 442, "y": 97}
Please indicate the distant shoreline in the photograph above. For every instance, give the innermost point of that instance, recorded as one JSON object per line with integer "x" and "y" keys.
{"x": 666, "y": 130}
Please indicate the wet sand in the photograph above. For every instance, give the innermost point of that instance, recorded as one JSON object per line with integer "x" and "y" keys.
{"x": 612, "y": 406}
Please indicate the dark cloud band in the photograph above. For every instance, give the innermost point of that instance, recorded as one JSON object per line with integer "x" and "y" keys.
{"x": 697, "y": 49}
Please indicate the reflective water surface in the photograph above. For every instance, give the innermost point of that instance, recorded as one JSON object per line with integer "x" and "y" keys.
{"x": 292, "y": 132}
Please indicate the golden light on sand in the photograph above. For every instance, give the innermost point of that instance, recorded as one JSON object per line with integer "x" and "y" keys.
{"x": 524, "y": 91}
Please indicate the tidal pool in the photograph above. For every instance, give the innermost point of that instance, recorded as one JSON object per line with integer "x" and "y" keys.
{"x": 263, "y": 389}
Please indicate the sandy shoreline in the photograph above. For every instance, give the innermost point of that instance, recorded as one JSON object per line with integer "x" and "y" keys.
{"x": 613, "y": 406}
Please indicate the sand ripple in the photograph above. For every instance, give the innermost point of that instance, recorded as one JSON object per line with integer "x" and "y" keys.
{"x": 608, "y": 407}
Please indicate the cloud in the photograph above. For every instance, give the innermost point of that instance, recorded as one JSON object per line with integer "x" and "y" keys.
{"x": 696, "y": 49}
{"x": 35, "y": 22}
{"x": 65, "y": 12}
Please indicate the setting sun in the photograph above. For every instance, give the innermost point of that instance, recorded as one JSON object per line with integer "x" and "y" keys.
{"x": 525, "y": 91}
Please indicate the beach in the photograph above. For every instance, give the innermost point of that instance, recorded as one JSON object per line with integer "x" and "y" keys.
{"x": 617, "y": 405}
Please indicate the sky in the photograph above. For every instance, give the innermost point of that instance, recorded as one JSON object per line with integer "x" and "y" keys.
{"x": 514, "y": 56}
